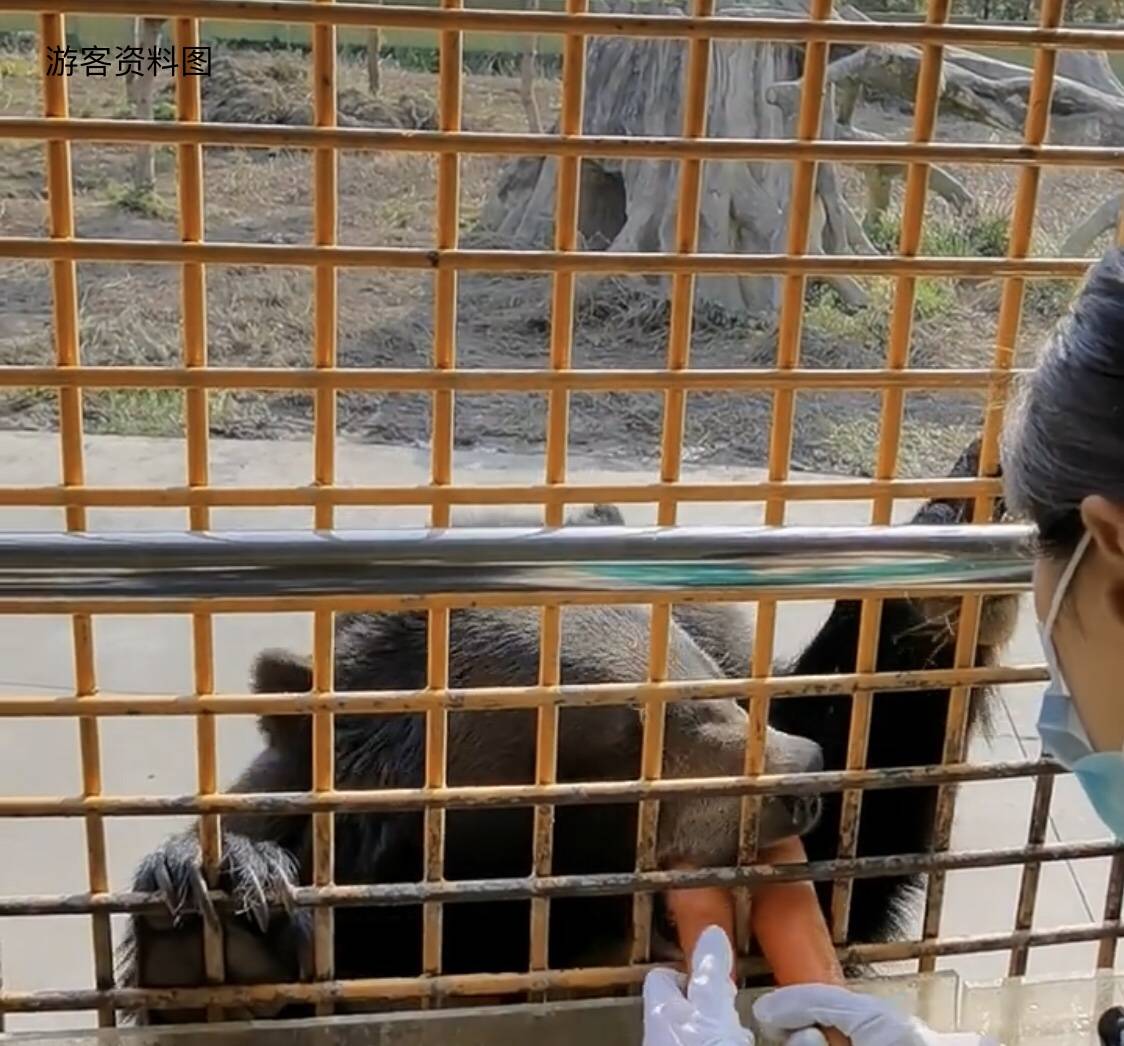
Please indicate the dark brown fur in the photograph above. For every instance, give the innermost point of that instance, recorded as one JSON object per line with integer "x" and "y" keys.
{"x": 500, "y": 648}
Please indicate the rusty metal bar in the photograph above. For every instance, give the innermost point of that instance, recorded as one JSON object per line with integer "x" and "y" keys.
{"x": 493, "y": 984}
{"x": 1114, "y": 895}
{"x": 483, "y": 890}
{"x": 502, "y": 796}
{"x": 1032, "y": 870}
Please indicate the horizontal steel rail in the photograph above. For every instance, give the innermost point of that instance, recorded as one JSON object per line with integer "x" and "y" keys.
{"x": 254, "y": 564}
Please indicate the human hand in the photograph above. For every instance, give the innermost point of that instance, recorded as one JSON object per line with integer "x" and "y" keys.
{"x": 792, "y": 1014}
{"x": 705, "y": 1016}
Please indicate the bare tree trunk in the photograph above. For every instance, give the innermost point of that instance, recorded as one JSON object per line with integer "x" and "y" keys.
{"x": 141, "y": 90}
{"x": 993, "y": 92}
{"x": 635, "y": 87}
{"x": 374, "y": 61}
{"x": 527, "y": 78}
{"x": 1104, "y": 218}
{"x": 1091, "y": 68}
{"x": 146, "y": 35}
{"x": 879, "y": 178}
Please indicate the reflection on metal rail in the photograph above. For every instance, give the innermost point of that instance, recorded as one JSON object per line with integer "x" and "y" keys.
{"x": 124, "y": 566}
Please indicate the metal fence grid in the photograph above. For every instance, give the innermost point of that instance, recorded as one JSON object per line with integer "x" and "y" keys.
{"x": 446, "y": 259}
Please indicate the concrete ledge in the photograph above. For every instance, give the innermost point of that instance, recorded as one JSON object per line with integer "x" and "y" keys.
{"x": 608, "y": 1022}
{"x": 1017, "y": 1011}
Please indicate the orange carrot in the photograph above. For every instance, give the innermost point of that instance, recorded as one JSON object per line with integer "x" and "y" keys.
{"x": 788, "y": 923}
{"x": 786, "y": 920}
{"x": 694, "y": 910}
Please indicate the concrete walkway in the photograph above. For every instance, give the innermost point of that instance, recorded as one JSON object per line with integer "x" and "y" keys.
{"x": 157, "y": 756}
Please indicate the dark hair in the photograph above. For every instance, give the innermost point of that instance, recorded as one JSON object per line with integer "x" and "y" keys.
{"x": 1065, "y": 439}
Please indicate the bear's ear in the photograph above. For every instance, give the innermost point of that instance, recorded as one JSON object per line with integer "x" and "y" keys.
{"x": 281, "y": 672}
{"x": 597, "y": 516}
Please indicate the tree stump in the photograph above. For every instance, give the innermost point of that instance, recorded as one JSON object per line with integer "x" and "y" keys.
{"x": 636, "y": 87}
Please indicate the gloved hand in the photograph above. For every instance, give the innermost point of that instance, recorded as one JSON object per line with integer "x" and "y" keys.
{"x": 791, "y": 1013}
{"x": 706, "y": 1015}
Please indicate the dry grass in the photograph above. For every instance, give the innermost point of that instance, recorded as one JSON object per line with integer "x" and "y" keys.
{"x": 262, "y": 316}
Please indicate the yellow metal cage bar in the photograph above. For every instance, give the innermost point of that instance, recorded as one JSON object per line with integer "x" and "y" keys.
{"x": 813, "y": 29}
{"x": 792, "y": 287}
{"x": 1010, "y": 312}
{"x": 567, "y": 205}
{"x": 444, "y": 358}
{"x": 503, "y": 143}
{"x": 793, "y": 264}
{"x": 890, "y": 434}
{"x": 64, "y": 285}
{"x": 325, "y": 222}
{"x": 700, "y": 31}
{"x": 194, "y": 321}
{"x": 671, "y": 445}
{"x": 468, "y": 494}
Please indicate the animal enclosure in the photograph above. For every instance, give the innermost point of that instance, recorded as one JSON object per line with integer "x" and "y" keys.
{"x": 496, "y": 777}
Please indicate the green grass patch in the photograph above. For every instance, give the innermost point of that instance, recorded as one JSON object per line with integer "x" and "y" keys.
{"x": 146, "y": 412}
{"x": 17, "y": 65}
{"x": 145, "y": 202}
{"x": 826, "y": 312}
{"x": 982, "y": 236}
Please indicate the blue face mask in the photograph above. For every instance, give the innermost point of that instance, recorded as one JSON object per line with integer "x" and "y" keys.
{"x": 1064, "y": 738}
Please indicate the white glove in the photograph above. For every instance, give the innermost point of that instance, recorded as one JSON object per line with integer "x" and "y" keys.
{"x": 865, "y": 1020}
{"x": 706, "y": 1015}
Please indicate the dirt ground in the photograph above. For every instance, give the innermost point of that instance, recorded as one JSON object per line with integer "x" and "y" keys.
{"x": 262, "y": 316}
